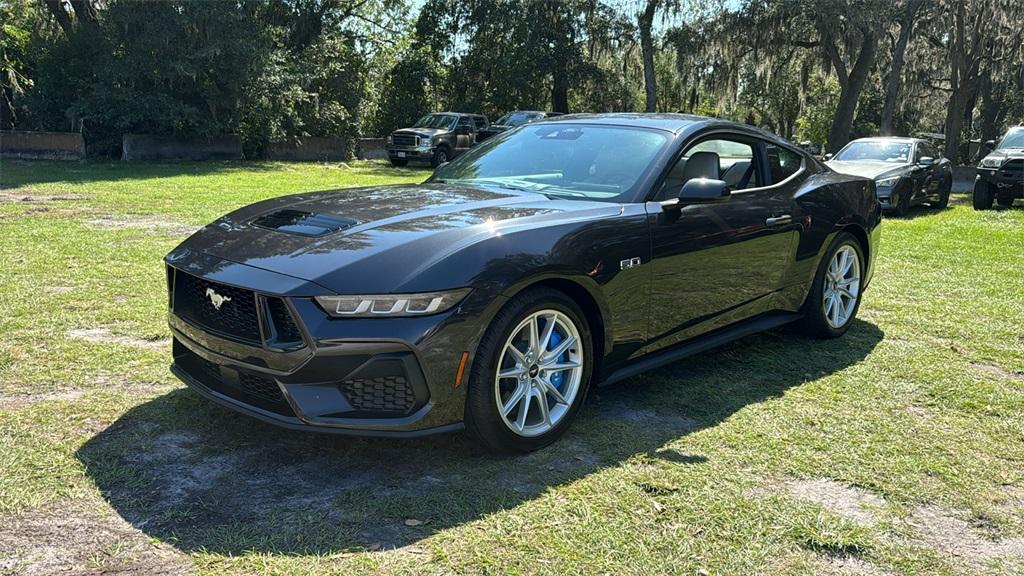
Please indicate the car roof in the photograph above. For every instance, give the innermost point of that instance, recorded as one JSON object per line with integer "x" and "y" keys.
{"x": 905, "y": 139}
{"x": 664, "y": 121}
{"x": 459, "y": 114}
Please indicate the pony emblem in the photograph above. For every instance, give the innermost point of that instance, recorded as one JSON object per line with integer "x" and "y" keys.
{"x": 216, "y": 299}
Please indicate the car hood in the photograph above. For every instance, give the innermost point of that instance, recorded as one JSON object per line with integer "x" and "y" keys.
{"x": 378, "y": 239}
{"x": 423, "y": 132}
{"x": 873, "y": 170}
{"x": 1006, "y": 153}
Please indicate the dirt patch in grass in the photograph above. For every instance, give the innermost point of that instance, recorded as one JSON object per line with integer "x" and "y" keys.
{"x": 152, "y": 223}
{"x": 105, "y": 336}
{"x": 964, "y": 544}
{"x": 63, "y": 538}
{"x": 844, "y": 565}
{"x": 28, "y": 198}
{"x": 851, "y": 502}
{"x": 14, "y": 401}
{"x": 997, "y": 371}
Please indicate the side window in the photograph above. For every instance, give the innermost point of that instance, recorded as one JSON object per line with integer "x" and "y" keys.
{"x": 716, "y": 159}
{"x": 919, "y": 152}
{"x": 466, "y": 121}
{"x": 782, "y": 163}
{"x": 481, "y": 122}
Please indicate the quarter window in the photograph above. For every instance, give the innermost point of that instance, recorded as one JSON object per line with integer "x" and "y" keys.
{"x": 782, "y": 162}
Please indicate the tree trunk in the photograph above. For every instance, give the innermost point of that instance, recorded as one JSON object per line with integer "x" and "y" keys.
{"x": 646, "y": 22}
{"x": 560, "y": 92}
{"x": 850, "y": 87}
{"x": 56, "y": 7}
{"x": 895, "y": 79}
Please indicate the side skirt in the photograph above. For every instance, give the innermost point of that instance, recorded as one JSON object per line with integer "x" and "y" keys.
{"x": 701, "y": 344}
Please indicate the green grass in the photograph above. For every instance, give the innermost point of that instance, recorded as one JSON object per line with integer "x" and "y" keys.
{"x": 707, "y": 465}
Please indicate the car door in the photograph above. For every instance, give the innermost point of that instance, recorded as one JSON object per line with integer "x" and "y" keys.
{"x": 464, "y": 134}
{"x": 922, "y": 175}
{"x": 715, "y": 263}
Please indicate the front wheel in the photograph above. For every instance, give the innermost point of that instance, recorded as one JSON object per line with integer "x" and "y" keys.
{"x": 835, "y": 296}
{"x": 531, "y": 373}
{"x": 441, "y": 155}
{"x": 902, "y": 204}
{"x": 944, "y": 190}
{"x": 983, "y": 195}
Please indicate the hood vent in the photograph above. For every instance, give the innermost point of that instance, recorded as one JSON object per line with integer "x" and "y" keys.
{"x": 303, "y": 223}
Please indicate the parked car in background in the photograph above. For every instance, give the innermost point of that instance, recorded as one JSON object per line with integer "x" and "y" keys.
{"x": 513, "y": 119}
{"x": 1001, "y": 173}
{"x": 496, "y": 293}
{"x": 435, "y": 138}
{"x": 906, "y": 171}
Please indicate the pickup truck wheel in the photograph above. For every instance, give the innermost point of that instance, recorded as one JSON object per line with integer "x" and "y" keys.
{"x": 983, "y": 195}
{"x": 399, "y": 161}
{"x": 441, "y": 155}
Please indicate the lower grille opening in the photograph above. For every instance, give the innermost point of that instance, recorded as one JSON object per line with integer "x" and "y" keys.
{"x": 247, "y": 387}
{"x": 383, "y": 394}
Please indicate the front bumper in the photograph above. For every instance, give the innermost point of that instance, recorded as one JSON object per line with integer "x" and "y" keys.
{"x": 1007, "y": 179}
{"x": 377, "y": 377}
{"x": 411, "y": 152}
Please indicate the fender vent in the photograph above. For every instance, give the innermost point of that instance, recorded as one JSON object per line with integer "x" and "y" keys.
{"x": 303, "y": 223}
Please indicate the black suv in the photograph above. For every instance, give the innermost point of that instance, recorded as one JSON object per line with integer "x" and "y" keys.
{"x": 1001, "y": 173}
{"x": 513, "y": 119}
{"x": 436, "y": 138}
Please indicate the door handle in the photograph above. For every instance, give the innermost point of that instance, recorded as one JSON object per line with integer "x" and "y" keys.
{"x": 777, "y": 220}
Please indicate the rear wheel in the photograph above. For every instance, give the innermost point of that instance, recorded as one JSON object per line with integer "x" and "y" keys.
{"x": 983, "y": 195}
{"x": 531, "y": 373}
{"x": 835, "y": 296}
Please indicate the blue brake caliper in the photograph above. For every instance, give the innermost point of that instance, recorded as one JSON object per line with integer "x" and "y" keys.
{"x": 557, "y": 377}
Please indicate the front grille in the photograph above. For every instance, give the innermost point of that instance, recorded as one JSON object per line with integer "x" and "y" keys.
{"x": 405, "y": 139}
{"x": 386, "y": 394}
{"x": 236, "y": 319}
{"x": 247, "y": 387}
{"x": 1013, "y": 170}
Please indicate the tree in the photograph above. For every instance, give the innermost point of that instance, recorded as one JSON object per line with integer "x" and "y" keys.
{"x": 894, "y": 79}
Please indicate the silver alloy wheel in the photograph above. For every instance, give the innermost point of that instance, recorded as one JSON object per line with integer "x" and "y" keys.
{"x": 539, "y": 373}
{"x": 842, "y": 285}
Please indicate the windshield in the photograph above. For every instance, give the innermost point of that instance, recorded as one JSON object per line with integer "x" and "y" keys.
{"x": 572, "y": 160}
{"x": 435, "y": 121}
{"x": 894, "y": 152}
{"x": 518, "y": 118}
{"x": 1013, "y": 139}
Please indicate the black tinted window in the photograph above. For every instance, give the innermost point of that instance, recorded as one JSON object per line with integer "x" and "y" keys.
{"x": 782, "y": 163}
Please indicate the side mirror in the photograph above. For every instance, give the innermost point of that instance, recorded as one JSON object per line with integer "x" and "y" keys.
{"x": 990, "y": 143}
{"x": 828, "y": 156}
{"x": 926, "y": 161}
{"x": 704, "y": 190}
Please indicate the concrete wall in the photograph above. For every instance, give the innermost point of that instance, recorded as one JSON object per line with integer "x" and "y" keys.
{"x": 312, "y": 148}
{"x": 42, "y": 145}
{"x": 371, "y": 149}
{"x": 149, "y": 147}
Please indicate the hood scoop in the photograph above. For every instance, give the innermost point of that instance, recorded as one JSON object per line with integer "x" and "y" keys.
{"x": 302, "y": 223}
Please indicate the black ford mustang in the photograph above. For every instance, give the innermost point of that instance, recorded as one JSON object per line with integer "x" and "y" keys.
{"x": 562, "y": 254}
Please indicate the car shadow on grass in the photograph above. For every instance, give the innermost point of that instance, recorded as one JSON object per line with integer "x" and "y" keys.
{"x": 203, "y": 478}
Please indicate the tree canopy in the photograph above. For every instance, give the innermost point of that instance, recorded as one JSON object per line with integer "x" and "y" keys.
{"x": 276, "y": 71}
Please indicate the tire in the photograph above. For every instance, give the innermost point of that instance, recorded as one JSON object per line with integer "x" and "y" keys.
{"x": 903, "y": 204}
{"x": 399, "y": 162}
{"x": 441, "y": 155}
{"x": 1005, "y": 201}
{"x": 819, "y": 319}
{"x": 983, "y": 195}
{"x": 944, "y": 190}
{"x": 520, "y": 431}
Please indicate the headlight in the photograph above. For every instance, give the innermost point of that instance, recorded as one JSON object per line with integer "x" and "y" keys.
{"x": 991, "y": 162}
{"x": 391, "y": 305}
{"x": 389, "y": 139}
{"x": 887, "y": 182}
